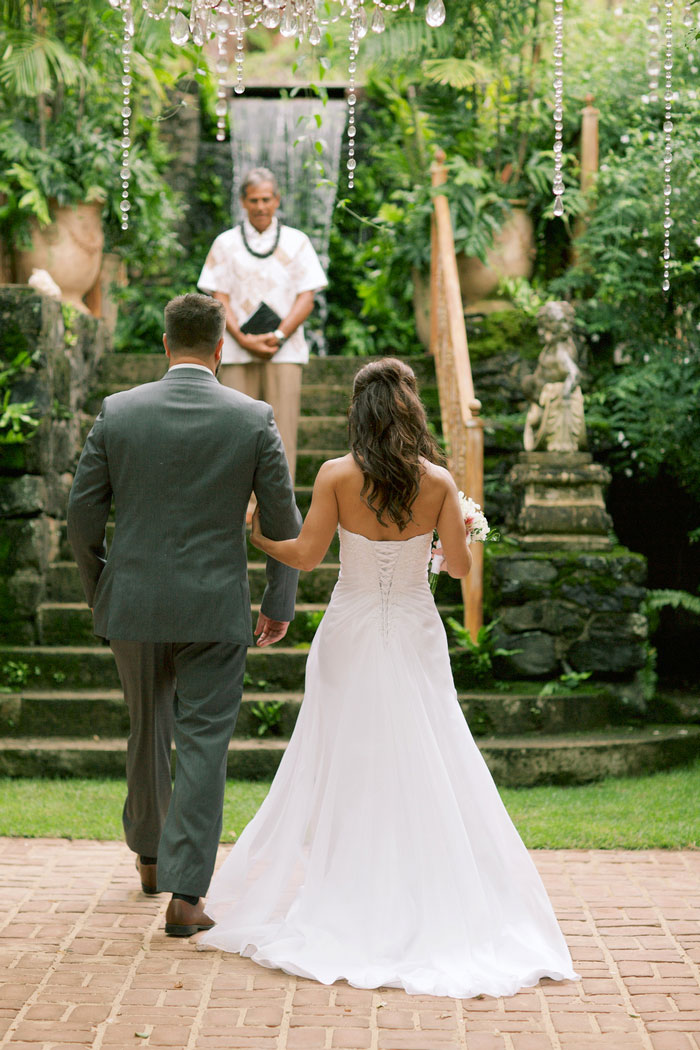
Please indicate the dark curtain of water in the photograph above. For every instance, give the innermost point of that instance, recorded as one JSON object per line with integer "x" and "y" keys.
{"x": 280, "y": 134}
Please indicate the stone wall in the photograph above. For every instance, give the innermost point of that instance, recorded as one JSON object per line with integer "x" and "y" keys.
{"x": 35, "y": 477}
{"x": 570, "y": 611}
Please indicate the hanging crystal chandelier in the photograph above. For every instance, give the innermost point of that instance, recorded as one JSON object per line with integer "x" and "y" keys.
{"x": 219, "y": 22}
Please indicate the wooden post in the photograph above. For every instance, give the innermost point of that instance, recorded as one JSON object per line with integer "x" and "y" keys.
{"x": 438, "y": 178}
{"x": 462, "y": 427}
{"x": 589, "y": 143}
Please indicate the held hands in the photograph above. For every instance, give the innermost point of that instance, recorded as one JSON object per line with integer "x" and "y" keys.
{"x": 439, "y": 562}
{"x": 269, "y": 631}
{"x": 255, "y": 531}
{"x": 262, "y": 346}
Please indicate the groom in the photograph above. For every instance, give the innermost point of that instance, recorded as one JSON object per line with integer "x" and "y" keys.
{"x": 180, "y": 459}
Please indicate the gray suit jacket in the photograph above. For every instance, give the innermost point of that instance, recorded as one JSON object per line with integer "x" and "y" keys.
{"x": 180, "y": 457}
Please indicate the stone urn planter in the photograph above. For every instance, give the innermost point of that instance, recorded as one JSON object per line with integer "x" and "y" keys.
{"x": 70, "y": 249}
{"x": 512, "y": 255}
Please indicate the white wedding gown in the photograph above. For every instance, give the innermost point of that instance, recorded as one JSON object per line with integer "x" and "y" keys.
{"x": 383, "y": 853}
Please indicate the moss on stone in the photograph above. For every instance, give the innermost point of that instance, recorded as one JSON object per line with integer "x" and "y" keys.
{"x": 501, "y": 331}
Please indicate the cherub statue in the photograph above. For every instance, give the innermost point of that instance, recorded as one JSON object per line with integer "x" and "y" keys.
{"x": 555, "y": 420}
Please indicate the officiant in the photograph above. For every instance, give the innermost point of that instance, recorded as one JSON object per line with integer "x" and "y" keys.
{"x": 265, "y": 274}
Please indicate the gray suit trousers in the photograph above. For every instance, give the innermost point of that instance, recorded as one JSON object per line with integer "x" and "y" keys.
{"x": 190, "y": 692}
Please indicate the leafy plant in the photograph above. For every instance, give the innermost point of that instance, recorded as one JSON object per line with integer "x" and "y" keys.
{"x": 15, "y": 673}
{"x": 654, "y": 602}
{"x": 313, "y": 619}
{"x": 568, "y": 682}
{"x": 663, "y": 599}
{"x": 17, "y": 424}
{"x": 60, "y": 94}
{"x": 481, "y": 652}
{"x": 269, "y": 715}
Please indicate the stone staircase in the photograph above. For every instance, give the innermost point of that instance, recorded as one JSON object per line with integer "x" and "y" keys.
{"x": 64, "y": 714}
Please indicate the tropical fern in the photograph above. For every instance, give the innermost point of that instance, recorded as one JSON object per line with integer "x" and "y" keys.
{"x": 662, "y": 599}
{"x": 458, "y": 73}
{"x": 33, "y": 64}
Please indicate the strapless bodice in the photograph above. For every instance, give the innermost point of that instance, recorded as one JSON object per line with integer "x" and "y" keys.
{"x": 383, "y": 576}
{"x": 383, "y": 564}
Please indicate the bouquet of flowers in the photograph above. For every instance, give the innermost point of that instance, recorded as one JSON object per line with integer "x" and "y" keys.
{"x": 477, "y": 530}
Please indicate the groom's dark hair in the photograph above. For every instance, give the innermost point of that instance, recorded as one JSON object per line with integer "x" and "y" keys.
{"x": 194, "y": 322}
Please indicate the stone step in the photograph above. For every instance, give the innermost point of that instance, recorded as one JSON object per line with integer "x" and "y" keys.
{"x": 70, "y": 623}
{"x": 513, "y": 761}
{"x": 314, "y": 431}
{"x": 65, "y": 552}
{"x": 69, "y": 667}
{"x": 101, "y": 712}
{"x": 323, "y": 432}
{"x": 314, "y": 587}
{"x": 316, "y": 399}
{"x": 129, "y": 369}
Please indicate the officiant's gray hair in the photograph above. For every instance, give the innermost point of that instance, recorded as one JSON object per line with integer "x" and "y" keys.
{"x": 255, "y": 177}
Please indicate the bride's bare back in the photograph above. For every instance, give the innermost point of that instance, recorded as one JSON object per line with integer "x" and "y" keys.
{"x": 337, "y": 500}
{"x": 356, "y": 516}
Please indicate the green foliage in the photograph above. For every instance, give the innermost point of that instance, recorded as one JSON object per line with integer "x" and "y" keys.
{"x": 17, "y": 424}
{"x": 269, "y": 715}
{"x": 654, "y": 602}
{"x": 568, "y": 682}
{"x": 645, "y": 412}
{"x": 140, "y": 320}
{"x": 14, "y": 674}
{"x": 313, "y": 619}
{"x": 501, "y": 332}
{"x": 481, "y": 652}
{"x": 662, "y": 598}
{"x": 60, "y": 124}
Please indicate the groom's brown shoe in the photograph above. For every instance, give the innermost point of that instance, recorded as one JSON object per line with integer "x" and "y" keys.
{"x": 183, "y": 919}
{"x": 147, "y": 872}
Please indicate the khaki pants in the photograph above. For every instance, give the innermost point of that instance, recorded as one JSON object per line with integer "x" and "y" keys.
{"x": 280, "y": 386}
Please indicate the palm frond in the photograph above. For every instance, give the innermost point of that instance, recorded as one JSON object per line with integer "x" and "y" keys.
{"x": 34, "y": 65}
{"x": 661, "y": 599}
{"x": 457, "y": 73}
{"x": 405, "y": 43}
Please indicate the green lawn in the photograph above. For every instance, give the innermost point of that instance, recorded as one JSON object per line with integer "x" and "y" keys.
{"x": 654, "y": 812}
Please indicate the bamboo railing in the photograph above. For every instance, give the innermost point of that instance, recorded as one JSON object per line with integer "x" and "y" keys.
{"x": 462, "y": 428}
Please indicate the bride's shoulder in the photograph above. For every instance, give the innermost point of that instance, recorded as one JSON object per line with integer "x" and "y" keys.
{"x": 336, "y": 470}
{"x": 436, "y": 475}
{"x": 340, "y": 467}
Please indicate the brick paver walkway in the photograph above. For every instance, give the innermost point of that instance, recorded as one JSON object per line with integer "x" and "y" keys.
{"x": 84, "y": 963}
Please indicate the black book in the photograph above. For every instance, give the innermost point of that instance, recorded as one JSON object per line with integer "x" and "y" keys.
{"x": 263, "y": 319}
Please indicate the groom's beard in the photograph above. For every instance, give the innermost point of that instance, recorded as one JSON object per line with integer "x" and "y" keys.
{"x": 218, "y": 366}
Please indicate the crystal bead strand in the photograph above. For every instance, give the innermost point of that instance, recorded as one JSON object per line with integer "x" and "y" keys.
{"x": 668, "y": 150}
{"x": 356, "y": 32}
{"x": 125, "y": 173}
{"x": 653, "y": 61}
{"x": 239, "y": 28}
{"x": 221, "y": 70}
{"x": 558, "y": 183}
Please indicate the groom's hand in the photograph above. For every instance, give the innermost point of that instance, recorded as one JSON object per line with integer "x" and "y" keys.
{"x": 269, "y": 631}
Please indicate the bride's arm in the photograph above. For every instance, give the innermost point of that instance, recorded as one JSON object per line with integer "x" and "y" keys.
{"x": 452, "y": 533}
{"x": 308, "y": 549}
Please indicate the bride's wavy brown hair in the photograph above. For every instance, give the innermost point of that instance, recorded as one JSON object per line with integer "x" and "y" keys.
{"x": 388, "y": 437}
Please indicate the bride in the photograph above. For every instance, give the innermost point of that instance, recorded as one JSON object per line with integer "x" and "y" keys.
{"x": 383, "y": 854}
